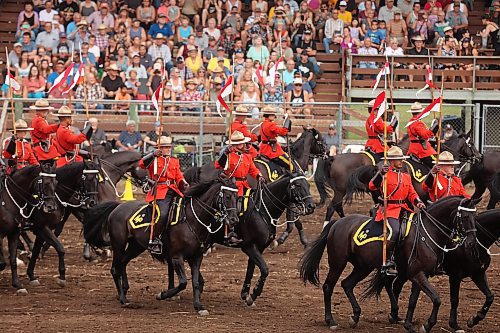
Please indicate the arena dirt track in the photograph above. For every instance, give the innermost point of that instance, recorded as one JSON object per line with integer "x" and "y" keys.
{"x": 88, "y": 302}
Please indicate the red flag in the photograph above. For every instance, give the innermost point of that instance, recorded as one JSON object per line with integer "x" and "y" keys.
{"x": 257, "y": 76}
{"x": 11, "y": 81}
{"x": 428, "y": 81}
{"x": 63, "y": 77}
{"x": 273, "y": 71}
{"x": 380, "y": 106}
{"x": 75, "y": 79}
{"x": 435, "y": 106}
{"x": 225, "y": 91}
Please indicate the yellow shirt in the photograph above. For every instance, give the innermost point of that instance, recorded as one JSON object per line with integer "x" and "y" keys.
{"x": 345, "y": 16}
{"x": 194, "y": 65}
{"x": 212, "y": 64}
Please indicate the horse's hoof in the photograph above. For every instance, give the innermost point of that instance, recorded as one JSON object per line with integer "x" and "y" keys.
{"x": 460, "y": 331}
{"x": 396, "y": 320}
{"x": 22, "y": 292}
{"x": 353, "y": 322}
{"x": 422, "y": 329}
{"x": 249, "y": 301}
{"x": 174, "y": 298}
{"x": 20, "y": 263}
{"x": 61, "y": 283}
{"x": 158, "y": 297}
{"x": 470, "y": 322}
{"x": 334, "y": 327}
{"x": 35, "y": 283}
{"x": 203, "y": 313}
{"x": 125, "y": 304}
{"x": 274, "y": 245}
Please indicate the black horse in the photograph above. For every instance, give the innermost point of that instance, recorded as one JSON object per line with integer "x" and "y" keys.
{"x": 417, "y": 254}
{"x": 80, "y": 178}
{"x": 484, "y": 172}
{"x": 257, "y": 226}
{"x": 309, "y": 145}
{"x": 24, "y": 193}
{"x": 213, "y": 202}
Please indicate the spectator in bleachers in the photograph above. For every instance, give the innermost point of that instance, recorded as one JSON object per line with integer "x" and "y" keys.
{"x": 233, "y": 19}
{"x": 251, "y": 98}
{"x": 98, "y": 135}
{"x": 396, "y": 28}
{"x": 351, "y": 7}
{"x": 273, "y": 95}
{"x": 15, "y": 54}
{"x": 73, "y": 25}
{"x": 146, "y": 14}
{"x": 103, "y": 16}
{"x": 162, "y": 28}
{"x": 137, "y": 67}
{"x": 331, "y": 140}
{"x": 422, "y": 26}
{"x": 308, "y": 44}
{"x": 191, "y": 95}
{"x": 439, "y": 27}
{"x": 33, "y": 84}
{"x": 344, "y": 14}
{"x": 59, "y": 68}
{"x": 405, "y": 6}
{"x": 386, "y": 13}
{"x": 151, "y": 138}
{"x": 333, "y": 31}
{"x": 297, "y": 99}
{"x": 288, "y": 73}
{"x": 305, "y": 66}
{"x": 123, "y": 18}
{"x": 258, "y": 51}
{"x": 432, "y": 3}
{"x": 305, "y": 85}
{"x": 303, "y": 21}
{"x": 80, "y": 35}
{"x": 349, "y": 43}
{"x": 447, "y": 50}
{"x": 193, "y": 61}
{"x": 184, "y": 71}
{"x": 183, "y": 31}
{"x": 122, "y": 60}
{"x": 28, "y": 45}
{"x": 418, "y": 49}
{"x": 68, "y": 9}
{"x": 228, "y": 38}
{"x": 212, "y": 30}
{"x": 47, "y": 15}
{"x": 491, "y": 29}
{"x": 136, "y": 34}
{"x": 367, "y": 49}
{"x": 177, "y": 81}
{"x": 129, "y": 139}
{"x": 23, "y": 66}
{"x": 467, "y": 49}
{"x": 123, "y": 96}
{"x": 201, "y": 39}
{"x": 95, "y": 92}
{"x": 320, "y": 21}
{"x": 30, "y": 16}
{"x": 412, "y": 17}
{"x": 462, "y": 8}
{"x": 160, "y": 50}
{"x": 457, "y": 19}
{"x": 212, "y": 9}
{"x": 375, "y": 35}
{"x": 112, "y": 81}
{"x": 64, "y": 48}
{"x": 25, "y": 28}
{"x": 87, "y": 7}
{"x": 448, "y": 32}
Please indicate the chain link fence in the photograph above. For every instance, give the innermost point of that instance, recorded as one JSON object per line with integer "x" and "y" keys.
{"x": 491, "y": 127}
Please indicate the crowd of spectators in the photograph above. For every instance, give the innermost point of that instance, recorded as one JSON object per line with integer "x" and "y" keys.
{"x": 124, "y": 45}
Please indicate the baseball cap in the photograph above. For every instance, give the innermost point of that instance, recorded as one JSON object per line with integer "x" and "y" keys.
{"x": 308, "y": 32}
{"x": 199, "y": 28}
{"x": 162, "y": 15}
{"x": 304, "y": 52}
{"x": 220, "y": 58}
{"x": 448, "y": 28}
{"x": 18, "y": 44}
{"x": 211, "y": 38}
{"x": 62, "y": 35}
{"x": 227, "y": 25}
{"x": 220, "y": 48}
{"x": 332, "y": 125}
{"x": 180, "y": 59}
{"x": 343, "y": 3}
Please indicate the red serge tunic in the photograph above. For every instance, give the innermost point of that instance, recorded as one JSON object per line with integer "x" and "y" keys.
{"x": 416, "y": 132}
{"x": 269, "y": 131}
{"x": 373, "y": 141}
{"x": 240, "y": 165}
{"x": 66, "y": 141}
{"x": 448, "y": 186}
{"x": 24, "y": 154}
{"x": 239, "y": 126}
{"x": 42, "y": 132}
{"x": 169, "y": 171}
{"x": 399, "y": 189}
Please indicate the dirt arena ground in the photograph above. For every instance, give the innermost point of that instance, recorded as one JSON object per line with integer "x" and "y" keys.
{"x": 88, "y": 303}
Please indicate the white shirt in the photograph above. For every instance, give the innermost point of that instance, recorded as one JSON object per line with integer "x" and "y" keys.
{"x": 45, "y": 16}
{"x": 391, "y": 52}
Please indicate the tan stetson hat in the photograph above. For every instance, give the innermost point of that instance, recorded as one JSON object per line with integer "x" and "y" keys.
{"x": 241, "y": 111}
{"x": 416, "y": 107}
{"x": 113, "y": 67}
{"x": 218, "y": 80}
{"x": 237, "y": 138}
{"x": 268, "y": 109}
{"x": 21, "y": 125}
{"x": 41, "y": 104}
{"x": 165, "y": 141}
{"x": 64, "y": 111}
{"x": 395, "y": 153}
{"x": 446, "y": 158}
{"x": 82, "y": 22}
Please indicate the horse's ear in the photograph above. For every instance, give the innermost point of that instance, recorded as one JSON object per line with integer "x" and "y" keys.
{"x": 468, "y": 134}
{"x": 304, "y": 127}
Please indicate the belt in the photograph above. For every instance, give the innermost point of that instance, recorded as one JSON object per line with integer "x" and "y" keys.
{"x": 372, "y": 137}
{"x": 415, "y": 141}
{"x": 269, "y": 142}
{"x": 396, "y": 201}
{"x": 168, "y": 182}
{"x": 240, "y": 178}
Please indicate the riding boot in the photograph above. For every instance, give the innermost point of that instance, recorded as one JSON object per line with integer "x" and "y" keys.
{"x": 155, "y": 246}
{"x": 389, "y": 268}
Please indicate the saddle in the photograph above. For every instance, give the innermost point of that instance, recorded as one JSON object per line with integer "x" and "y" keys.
{"x": 417, "y": 169}
{"x": 373, "y": 157}
{"x": 274, "y": 171}
{"x": 371, "y": 231}
{"x": 142, "y": 216}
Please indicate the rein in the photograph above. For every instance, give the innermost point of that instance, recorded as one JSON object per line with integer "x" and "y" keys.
{"x": 490, "y": 235}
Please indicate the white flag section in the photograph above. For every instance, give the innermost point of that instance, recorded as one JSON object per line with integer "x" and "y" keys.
{"x": 273, "y": 71}
{"x": 225, "y": 92}
{"x": 435, "y": 106}
{"x": 386, "y": 70}
{"x": 75, "y": 78}
{"x": 428, "y": 82}
{"x": 381, "y": 109}
{"x": 11, "y": 82}
{"x": 155, "y": 98}
{"x": 63, "y": 77}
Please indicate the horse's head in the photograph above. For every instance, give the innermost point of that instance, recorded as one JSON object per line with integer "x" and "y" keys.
{"x": 314, "y": 141}
{"x": 90, "y": 184}
{"x": 466, "y": 225}
{"x": 463, "y": 147}
{"x": 300, "y": 194}
{"x": 227, "y": 201}
{"x": 46, "y": 186}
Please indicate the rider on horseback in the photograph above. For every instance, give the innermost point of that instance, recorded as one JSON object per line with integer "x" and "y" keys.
{"x": 239, "y": 125}
{"x": 269, "y": 131}
{"x": 166, "y": 171}
{"x": 66, "y": 140}
{"x": 375, "y": 131}
{"x": 237, "y": 163}
{"x": 41, "y": 138}
{"x": 447, "y": 183}
{"x": 17, "y": 149}
{"x": 399, "y": 191}
{"x": 419, "y": 136}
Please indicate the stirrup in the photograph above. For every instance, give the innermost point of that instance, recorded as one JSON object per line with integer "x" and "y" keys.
{"x": 155, "y": 246}
{"x": 389, "y": 268}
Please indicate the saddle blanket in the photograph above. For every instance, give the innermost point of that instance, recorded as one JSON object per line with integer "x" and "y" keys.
{"x": 273, "y": 170}
{"x": 417, "y": 169}
{"x": 371, "y": 157}
{"x": 371, "y": 231}
{"x": 142, "y": 216}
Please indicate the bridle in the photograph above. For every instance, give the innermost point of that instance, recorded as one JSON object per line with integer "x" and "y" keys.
{"x": 465, "y": 157}
{"x": 37, "y": 200}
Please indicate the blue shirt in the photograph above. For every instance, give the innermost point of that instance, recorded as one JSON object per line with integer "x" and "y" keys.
{"x": 89, "y": 58}
{"x": 28, "y": 48}
{"x": 376, "y": 36}
{"x": 52, "y": 77}
{"x": 131, "y": 139}
{"x": 165, "y": 31}
{"x": 71, "y": 27}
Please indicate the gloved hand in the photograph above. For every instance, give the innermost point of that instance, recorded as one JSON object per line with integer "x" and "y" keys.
{"x": 287, "y": 124}
{"x": 157, "y": 153}
{"x": 183, "y": 186}
{"x": 435, "y": 169}
{"x": 225, "y": 150}
{"x": 13, "y": 138}
{"x": 261, "y": 179}
{"x": 420, "y": 205}
{"x": 434, "y": 126}
{"x": 88, "y": 131}
{"x": 394, "y": 122}
{"x": 385, "y": 169}
{"x": 11, "y": 146}
{"x": 11, "y": 162}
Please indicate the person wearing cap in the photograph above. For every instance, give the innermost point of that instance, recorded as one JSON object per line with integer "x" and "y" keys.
{"x": 41, "y": 135}
{"x": 399, "y": 191}
{"x": 297, "y": 98}
{"x": 184, "y": 71}
{"x": 200, "y": 38}
{"x": 228, "y": 38}
{"x": 17, "y": 149}
{"x": 161, "y": 27}
{"x": 419, "y": 136}
{"x": 64, "y": 46}
{"x": 306, "y": 68}
{"x": 66, "y": 141}
{"x": 375, "y": 131}
{"x": 449, "y": 133}
{"x": 269, "y": 131}
{"x": 457, "y": 19}
{"x": 103, "y": 16}
{"x": 165, "y": 171}
{"x": 15, "y": 54}
{"x": 442, "y": 176}
{"x": 80, "y": 35}
{"x": 331, "y": 140}
{"x": 344, "y": 14}
{"x": 239, "y": 125}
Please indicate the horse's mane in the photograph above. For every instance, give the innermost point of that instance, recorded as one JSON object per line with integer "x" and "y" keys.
{"x": 199, "y": 189}
{"x": 443, "y": 202}
{"x": 69, "y": 171}
{"x": 117, "y": 158}
{"x": 28, "y": 170}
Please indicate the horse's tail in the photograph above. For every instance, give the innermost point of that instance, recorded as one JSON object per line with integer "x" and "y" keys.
{"x": 95, "y": 223}
{"x": 309, "y": 264}
{"x": 192, "y": 175}
{"x": 357, "y": 183}
{"x": 375, "y": 285}
{"x": 321, "y": 175}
